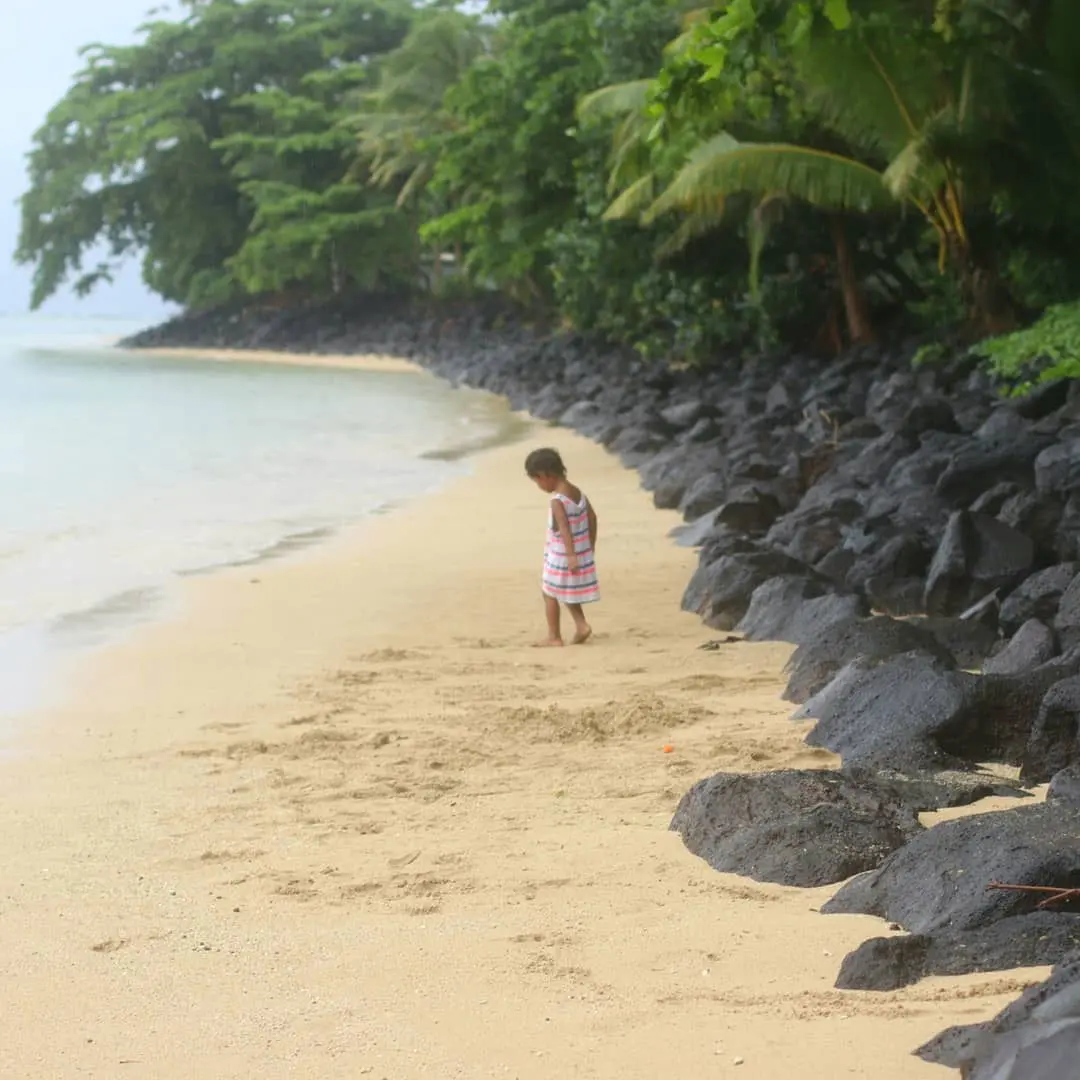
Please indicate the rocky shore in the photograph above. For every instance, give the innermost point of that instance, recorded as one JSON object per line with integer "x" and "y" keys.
{"x": 916, "y": 537}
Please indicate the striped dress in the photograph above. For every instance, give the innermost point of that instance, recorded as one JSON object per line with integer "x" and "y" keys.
{"x": 581, "y": 586}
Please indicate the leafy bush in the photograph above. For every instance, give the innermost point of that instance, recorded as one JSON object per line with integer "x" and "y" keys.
{"x": 1048, "y": 349}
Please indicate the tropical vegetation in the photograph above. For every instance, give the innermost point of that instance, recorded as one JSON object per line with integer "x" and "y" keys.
{"x": 692, "y": 181}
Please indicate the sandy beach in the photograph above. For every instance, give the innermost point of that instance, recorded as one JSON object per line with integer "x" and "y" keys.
{"x": 269, "y": 356}
{"x": 339, "y": 819}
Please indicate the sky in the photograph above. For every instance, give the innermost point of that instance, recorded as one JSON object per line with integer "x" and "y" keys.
{"x": 39, "y": 44}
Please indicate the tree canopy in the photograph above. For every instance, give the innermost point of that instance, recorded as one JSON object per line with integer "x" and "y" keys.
{"x": 682, "y": 179}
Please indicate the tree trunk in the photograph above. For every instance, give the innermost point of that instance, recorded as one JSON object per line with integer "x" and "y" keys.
{"x": 337, "y": 277}
{"x": 859, "y": 327}
{"x": 986, "y": 300}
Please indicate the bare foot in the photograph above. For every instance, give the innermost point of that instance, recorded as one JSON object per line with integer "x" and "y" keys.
{"x": 548, "y": 643}
{"x": 582, "y": 635}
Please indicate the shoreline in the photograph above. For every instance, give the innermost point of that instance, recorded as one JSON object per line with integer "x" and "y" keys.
{"x": 361, "y": 362}
{"x": 335, "y": 819}
{"x": 72, "y": 639}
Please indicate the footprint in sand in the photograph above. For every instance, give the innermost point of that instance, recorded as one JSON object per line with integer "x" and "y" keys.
{"x": 110, "y": 945}
{"x": 390, "y": 656}
{"x": 298, "y": 721}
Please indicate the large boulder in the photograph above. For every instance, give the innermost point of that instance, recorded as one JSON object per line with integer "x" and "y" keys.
{"x": 1031, "y": 646}
{"x": 969, "y": 638}
{"x": 1057, "y": 468}
{"x": 940, "y": 879}
{"x": 749, "y": 510}
{"x": 1037, "y": 597}
{"x": 1054, "y": 743}
{"x": 887, "y": 712}
{"x": 878, "y": 458}
{"x": 685, "y": 414}
{"x": 977, "y": 555}
{"x": 1065, "y": 786}
{"x": 991, "y": 501}
{"x": 796, "y": 609}
{"x": 674, "y": 469}
{"x": 898, "y": 597}
{"x": 706, "y": 493}
{"x": 1067, "y": 618}
{"x": 995, "y": 456}
{"x": 720, "y": 591}
{"x": 694, "y": 534}
{"x": 911, "y": 712}
{"x": 888, "y": 963}
{"x": 934, "y": 414}
{"x": 635, "y": 444}
{"x": 885, "y": 560}
{"x": 589, "y": 418}
{"x": 1037, "y": 1037}
{"x": 1043, "y": 518}
{"x": 796, "y": 827}
{"x": 889, "y": 399}
{"x": 1065, "y": 542}
{"x": 815, "y": 663}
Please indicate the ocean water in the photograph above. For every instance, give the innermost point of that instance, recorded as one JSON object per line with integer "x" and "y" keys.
{"x": 121, "y": 474}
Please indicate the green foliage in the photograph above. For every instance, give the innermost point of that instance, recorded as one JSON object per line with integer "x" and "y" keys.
{"x": 506, "y": 170}
{"x": 402, "y": 123}
{"x": 927, "y": 356}
{"x": 1047, "y": 350}
{"x": 692, "y": 181}
{"x": 216, "y": 147}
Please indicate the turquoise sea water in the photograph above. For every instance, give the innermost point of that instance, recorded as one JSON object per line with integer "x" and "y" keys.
{"x": 120, "y": 474}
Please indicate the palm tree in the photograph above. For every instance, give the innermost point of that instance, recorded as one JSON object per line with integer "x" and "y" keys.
{"x": 401, "y": 123}
{"x": 632, "y": 179}
{"x": 896, "y": 119}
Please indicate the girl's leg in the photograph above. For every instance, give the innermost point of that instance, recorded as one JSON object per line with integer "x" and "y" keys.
{"x": 582, "y": 629}
{"x": 551, "y": 611}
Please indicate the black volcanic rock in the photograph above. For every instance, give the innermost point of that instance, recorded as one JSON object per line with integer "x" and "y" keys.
{"x": 1037, "y": 597}
{"x": 1057, "y": 468}
{"x": 814, "y": 664}
{"x": 794, "y": 827}
{"x": 1031, "y": 646}
{"x": 1054, "y": 743}
{"x": 1041, "y": 937}
{"x": 1036, "y": 1037}
{"x": 796, "y": 609}
{"x": 913, "y": 713}
{"x": 1067, "y": 618}
{"x": 939, "y": 879}
{"x": 1065, "y": 786}
{"x": 977, "y": 555}
{"x": 721, "y": 591}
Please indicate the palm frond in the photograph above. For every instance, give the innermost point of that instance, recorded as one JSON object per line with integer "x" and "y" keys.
{"x": 920, "y": 169}
{"x": 690, "y": 229}
{"x": 721, "y": 167}
{"x": 618, "y": 99}
{"x": 875, "y": 98}
{"x": 633, "y": 201}
{"x": 629, "y": 159}
{"x": 416, "y": 182}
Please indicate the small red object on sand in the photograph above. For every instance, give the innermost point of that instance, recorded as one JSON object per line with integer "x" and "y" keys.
{"x": 669, "y": 749}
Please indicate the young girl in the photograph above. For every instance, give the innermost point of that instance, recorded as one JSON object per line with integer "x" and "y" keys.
{"x": 569, "y": 567}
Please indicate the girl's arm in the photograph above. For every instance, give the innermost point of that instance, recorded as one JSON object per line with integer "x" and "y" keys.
{"x": 562, "y": 523}
{"x": 592, "y": 526}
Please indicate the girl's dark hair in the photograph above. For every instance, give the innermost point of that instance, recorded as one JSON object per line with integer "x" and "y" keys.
{"x": 545, "y": 462}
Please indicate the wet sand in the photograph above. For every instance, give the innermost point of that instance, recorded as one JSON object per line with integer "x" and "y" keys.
{"x": 339, "y": 819}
